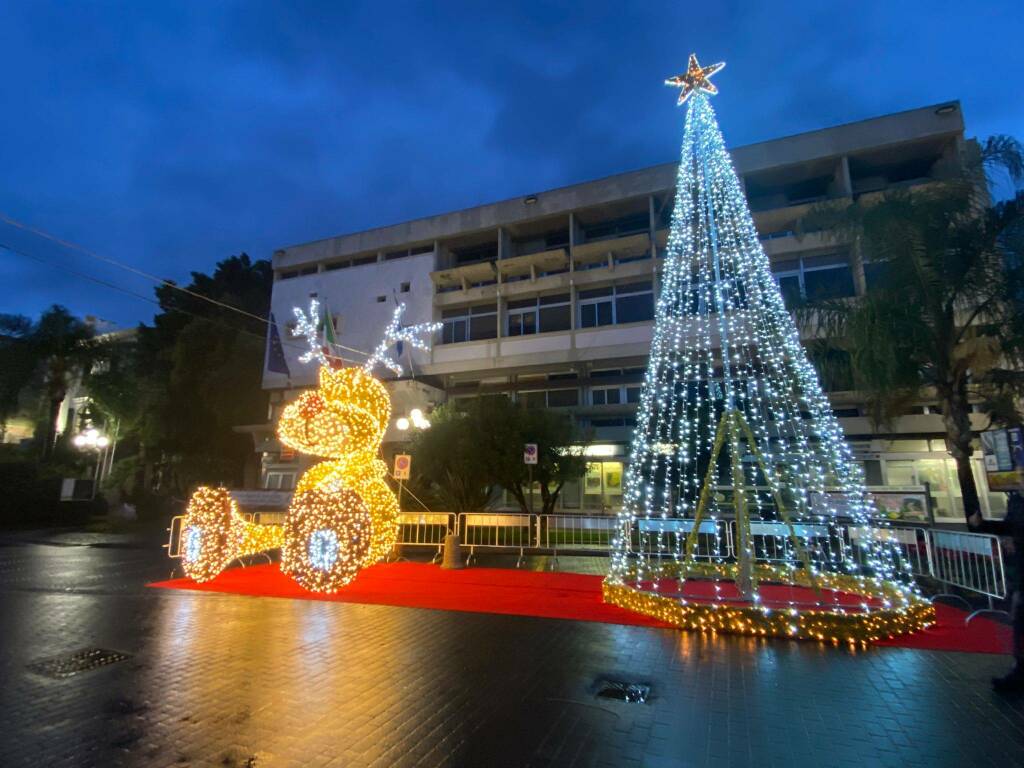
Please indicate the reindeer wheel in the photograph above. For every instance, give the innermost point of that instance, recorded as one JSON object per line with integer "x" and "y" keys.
{"x": 327, "y": 536}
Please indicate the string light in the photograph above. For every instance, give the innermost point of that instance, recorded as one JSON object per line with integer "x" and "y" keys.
{"x": 215, "y": 533}
{"x": 728, "y": 378}
{"x": 395, "y": 333}
{"x": 343, "y": 514}
{"x": 344, "y": 421}
{"x": 327, "y": 537}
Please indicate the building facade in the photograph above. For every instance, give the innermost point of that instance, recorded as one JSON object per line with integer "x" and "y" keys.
{"x": 550, "y": 297}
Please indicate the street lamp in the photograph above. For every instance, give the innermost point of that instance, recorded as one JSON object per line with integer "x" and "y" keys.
{"x": 92, "y": 440}
{"x": 415, "y": 420}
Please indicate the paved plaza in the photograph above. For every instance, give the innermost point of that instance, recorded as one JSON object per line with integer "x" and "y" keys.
{"x": 221, "y": 680}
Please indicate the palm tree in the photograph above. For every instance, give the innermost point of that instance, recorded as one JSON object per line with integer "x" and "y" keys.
{"x": 61, "y": 349}
{"x": 942, "y": 312}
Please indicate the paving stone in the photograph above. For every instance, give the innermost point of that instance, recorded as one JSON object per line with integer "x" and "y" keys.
{"x": 218, "y": 680}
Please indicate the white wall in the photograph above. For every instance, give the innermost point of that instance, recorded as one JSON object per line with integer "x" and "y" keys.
{"x": 352, "y": 294}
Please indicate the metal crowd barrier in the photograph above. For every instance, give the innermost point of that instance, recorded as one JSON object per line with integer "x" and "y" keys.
{"x": 498, "y": 530}
{"x": 714, "y": 538}
{"x": 426, "y": 529}
{"x": 971, "y": 561}
{"x": 173, "y": 545}
{"x": 773, "y": 541}
{"x": 914, "y": 545}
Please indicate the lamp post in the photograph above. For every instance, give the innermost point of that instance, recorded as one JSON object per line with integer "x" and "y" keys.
{"x": 415, "y": 420}
{"x": 92, "y": 440}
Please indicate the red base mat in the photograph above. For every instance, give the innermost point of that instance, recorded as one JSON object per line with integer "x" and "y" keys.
{"x": 546, "y": 595}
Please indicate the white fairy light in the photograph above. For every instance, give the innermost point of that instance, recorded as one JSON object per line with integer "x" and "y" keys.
{"x": 395, "y": 332}
{"x": 309, "y": 327}
{"x": 723, "y": 342}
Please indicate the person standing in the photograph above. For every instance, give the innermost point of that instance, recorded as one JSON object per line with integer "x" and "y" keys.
{"x": 1012, "y": 527}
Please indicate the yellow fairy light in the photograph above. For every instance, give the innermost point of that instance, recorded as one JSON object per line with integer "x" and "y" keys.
{"x": 696, "y": 77}
{"x": 327, "y": 537}
{"x": 343, "y": 514}
{"x": 215, "y": 533}
{"x": 344, "y": 421}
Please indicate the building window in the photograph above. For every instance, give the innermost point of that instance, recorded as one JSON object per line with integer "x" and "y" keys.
{"x": 469, "y": 324}
{"x": 623, "y": 227}
{"x": 522, "y": 317}
{"x": 597, "y": 307}
{"x": 627, "y": 393}
{"x": 814, "y": 278}
{"x": 542, "y": 315}
{"x": 280, "y": 481}
{"x": 632, "y": 303}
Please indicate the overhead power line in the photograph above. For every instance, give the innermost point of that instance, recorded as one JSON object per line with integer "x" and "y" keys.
{"x": 134, "y": 294}
{"x": 136, "y": 271}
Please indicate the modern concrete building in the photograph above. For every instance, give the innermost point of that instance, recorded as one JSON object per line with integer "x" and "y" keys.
{"x": 550, "y": 297}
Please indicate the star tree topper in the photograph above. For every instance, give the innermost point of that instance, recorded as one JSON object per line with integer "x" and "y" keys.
{"x": 696, "y": 78}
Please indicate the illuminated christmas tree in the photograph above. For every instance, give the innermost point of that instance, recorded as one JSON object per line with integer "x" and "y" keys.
{"x": 740, "y": 479}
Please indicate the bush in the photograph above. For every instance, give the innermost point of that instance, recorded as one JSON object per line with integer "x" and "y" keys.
{"x": 32, "y": 498}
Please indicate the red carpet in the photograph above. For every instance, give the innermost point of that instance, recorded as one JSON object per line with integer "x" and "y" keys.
{"x": 554, "y": 596}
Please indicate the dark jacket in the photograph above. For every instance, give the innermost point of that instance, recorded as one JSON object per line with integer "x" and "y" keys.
{"x": 1012, "y": 526}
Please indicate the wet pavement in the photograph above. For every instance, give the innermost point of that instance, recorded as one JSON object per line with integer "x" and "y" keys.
{"x": 218, "y": 680}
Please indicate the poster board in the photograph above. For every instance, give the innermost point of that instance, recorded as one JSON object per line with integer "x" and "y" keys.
{"x": 1003, "y": 451}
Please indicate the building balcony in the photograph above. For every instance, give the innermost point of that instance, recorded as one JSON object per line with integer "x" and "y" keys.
{"x": 533, "y": 265}
{"x": 464, "y": 277}
{"x": 611, "y": 250}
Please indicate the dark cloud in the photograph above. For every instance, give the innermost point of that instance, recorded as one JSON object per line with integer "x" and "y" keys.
{"x": 174, "y": 135}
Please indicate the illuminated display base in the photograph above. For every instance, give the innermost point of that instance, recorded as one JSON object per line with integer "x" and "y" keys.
{"x": 886, "y": 610}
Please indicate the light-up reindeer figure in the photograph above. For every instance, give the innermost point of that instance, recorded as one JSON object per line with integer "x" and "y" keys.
{"x": 343, "y": 514}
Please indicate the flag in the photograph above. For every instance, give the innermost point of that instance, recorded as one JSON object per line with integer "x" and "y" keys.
{"x": 276, "y": 362}
{"x": 330, "y": 341}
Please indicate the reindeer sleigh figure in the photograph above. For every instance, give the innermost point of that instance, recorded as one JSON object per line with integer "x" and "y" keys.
{"x": 343, "y": 515}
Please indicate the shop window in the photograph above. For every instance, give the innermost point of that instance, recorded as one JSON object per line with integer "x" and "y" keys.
{"x": 602, "y": 486}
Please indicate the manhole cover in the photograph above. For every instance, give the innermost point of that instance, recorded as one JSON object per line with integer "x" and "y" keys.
{"x": 632, "y": 693}
{"x": 60, "y": 667}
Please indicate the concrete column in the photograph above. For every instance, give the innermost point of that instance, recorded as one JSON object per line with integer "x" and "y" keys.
{"x": 844, "y": 184}
{"x": 857, "y": 267}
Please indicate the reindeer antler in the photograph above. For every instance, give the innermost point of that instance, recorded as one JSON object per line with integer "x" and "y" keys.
{"x": 395, "y": 332}
{"x": 309, "y": 327}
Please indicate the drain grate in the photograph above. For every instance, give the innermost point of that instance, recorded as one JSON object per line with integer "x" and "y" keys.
{"x": 60, "y": 667}
{"x": 632, "y": 693}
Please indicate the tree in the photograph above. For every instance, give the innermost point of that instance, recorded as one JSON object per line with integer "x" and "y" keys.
{"x": 55, "y": 349}
{"x": 199, "y": 369}
{"x": 505, "y": 427}
{"x": 732, "y": 420}
{"x": 477, "y": 446}
{"x": 17, "y": 364}
{"x": 448, "y": 462}
{"x": 942, "y": 314}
